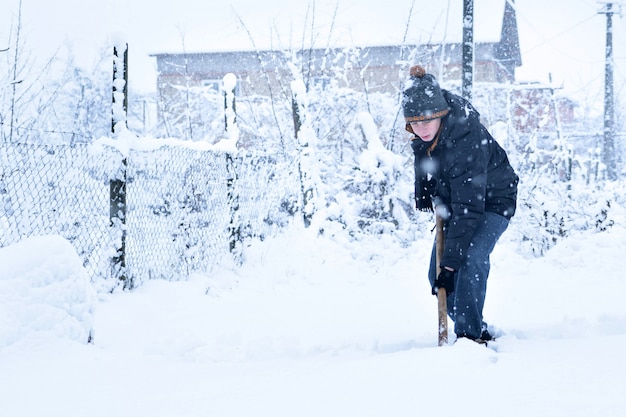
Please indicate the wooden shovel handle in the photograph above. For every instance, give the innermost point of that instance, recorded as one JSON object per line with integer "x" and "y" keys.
{"x": 442, "y": 296}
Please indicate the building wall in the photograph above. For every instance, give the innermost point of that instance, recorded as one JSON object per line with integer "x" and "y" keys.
{"x": 184, "y": 79}
{"x": 381, "y": 69}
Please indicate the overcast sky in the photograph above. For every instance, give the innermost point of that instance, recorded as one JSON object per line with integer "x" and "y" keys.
{"x": 564, "y": 38}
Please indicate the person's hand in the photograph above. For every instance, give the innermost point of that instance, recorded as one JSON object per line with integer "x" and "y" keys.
{"x": 445, "y": 280}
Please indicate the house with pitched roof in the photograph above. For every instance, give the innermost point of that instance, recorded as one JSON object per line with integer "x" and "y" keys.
{"x": 373, "y": 69}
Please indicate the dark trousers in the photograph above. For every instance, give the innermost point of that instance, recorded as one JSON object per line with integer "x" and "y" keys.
{"x": 465, "y": 304}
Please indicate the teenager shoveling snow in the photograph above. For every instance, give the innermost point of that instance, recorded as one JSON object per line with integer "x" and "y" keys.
{"x": 464, "y": 175}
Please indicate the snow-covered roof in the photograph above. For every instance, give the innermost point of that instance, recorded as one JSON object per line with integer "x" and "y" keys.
{"x": 427, "y": 22}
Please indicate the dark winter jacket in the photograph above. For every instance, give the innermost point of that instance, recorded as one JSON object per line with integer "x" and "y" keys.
{"x": 467, "y": 172}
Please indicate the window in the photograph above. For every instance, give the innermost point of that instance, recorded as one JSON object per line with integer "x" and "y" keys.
{"x": 215, "y": 86}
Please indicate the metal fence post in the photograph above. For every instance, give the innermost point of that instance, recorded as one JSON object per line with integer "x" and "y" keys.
{"x": 304, "y": 151}
{"x": 117, "y": 186}
{"x": 234, "y": 224}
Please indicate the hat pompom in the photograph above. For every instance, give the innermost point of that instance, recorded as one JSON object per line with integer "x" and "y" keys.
{"x": 422, "y": 98}
{"x": 417, "y": 71}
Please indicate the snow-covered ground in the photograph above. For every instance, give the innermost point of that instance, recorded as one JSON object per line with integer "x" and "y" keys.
{"x": 314, "y": 326}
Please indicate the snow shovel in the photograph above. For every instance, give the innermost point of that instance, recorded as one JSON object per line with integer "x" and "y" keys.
{"x": 442, "y": 296}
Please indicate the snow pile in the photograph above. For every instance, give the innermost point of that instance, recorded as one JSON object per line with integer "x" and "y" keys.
{"x": 44, "y": 292}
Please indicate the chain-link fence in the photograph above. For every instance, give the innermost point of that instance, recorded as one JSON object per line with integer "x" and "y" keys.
{"x": 186, "y": 209}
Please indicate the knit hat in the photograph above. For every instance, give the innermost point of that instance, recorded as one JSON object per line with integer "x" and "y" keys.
{"x": 422, "y": 98}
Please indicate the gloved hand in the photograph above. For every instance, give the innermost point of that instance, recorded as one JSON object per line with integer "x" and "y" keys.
{"x": 444, "y": 280}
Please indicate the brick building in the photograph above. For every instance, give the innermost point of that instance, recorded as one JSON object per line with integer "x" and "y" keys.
{"x": 373, "y": 69}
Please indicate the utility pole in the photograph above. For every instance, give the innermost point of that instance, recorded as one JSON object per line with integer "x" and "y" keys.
{"x": 468, "y": 50}
{"x": 608, "y": 148}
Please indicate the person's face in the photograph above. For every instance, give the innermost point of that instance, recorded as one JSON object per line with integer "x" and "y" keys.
{"x": 426, "y": 130}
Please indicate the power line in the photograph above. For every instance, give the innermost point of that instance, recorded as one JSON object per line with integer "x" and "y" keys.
{"x": 548, "y": 40}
